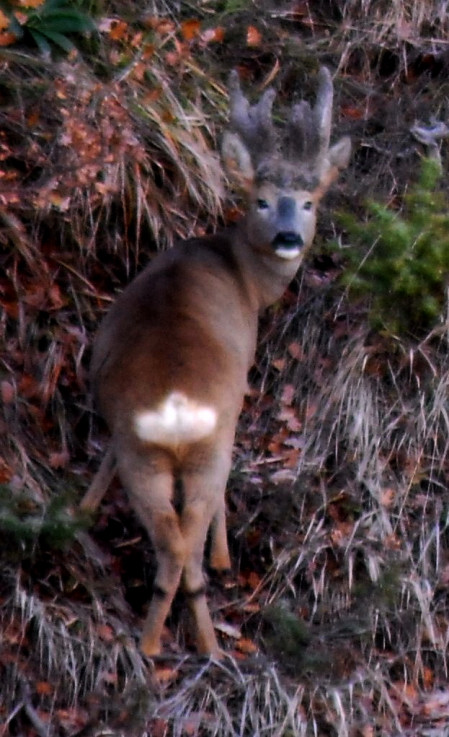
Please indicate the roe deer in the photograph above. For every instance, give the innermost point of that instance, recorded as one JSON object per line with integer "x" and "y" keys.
{"x": 171, "y": 358}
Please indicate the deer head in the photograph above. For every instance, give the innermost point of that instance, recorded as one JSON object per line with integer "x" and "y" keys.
{"x": 284, "y": 176}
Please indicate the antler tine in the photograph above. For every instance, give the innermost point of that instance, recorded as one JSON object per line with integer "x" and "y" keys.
{"x": 302, "y": 131}
{"x": 323, "y": 110}
{"x": 252, "y": 122}
{"x": 310, "y": 128}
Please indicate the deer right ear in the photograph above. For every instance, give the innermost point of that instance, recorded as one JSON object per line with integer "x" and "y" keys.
{"x": 340, "y": 153}
{"x": 237, "y": 161}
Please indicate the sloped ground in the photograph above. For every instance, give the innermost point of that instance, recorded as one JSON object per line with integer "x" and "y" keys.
{"x": 335, "y": 616}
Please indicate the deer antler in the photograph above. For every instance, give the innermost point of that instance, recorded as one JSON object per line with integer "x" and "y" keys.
{"x": 253, "y": 123}
{"x": 305, "y": 143}
{"x": 310, "y": 127}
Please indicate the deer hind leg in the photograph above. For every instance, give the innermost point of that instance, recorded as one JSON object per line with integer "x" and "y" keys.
{"x": 151, "y": 494}
{"x": 203, "y": 506}
{"x": 219, "y": 552}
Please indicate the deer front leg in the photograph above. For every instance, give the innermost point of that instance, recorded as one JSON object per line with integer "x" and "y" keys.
{"x": 100, "y": 483}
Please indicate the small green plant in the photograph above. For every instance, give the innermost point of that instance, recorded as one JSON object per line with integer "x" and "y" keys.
{"x": 51, "y": 24}
{"x": 401, "y": 261}
{"x": 25, "y": 523}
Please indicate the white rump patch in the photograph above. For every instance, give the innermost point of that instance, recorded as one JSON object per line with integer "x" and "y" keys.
{"x": 178, "y": 419}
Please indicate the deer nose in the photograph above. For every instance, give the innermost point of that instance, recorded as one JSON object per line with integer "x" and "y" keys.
{"x": 287, "y": 239}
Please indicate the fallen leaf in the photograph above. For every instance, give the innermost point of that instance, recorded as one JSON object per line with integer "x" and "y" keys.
{"x": 4, "y": 21}
{"x": 105, "y": 632}
{"x": 7, "y": 38}
{"x": 118, "y": 30}
{"x": 7, "y": 392}
{"x": 228, "y": 629}
{"x": 211, "y": 35}
{"x": 59, "y": 460}
{"x": 253, "y": 36}
{"x": 190, "y": 29}
{"x": 247, "y": 646}
{"x": 44, "y": 688}
{"x": 164, "y": 673}
{"x": 295, "y": 350}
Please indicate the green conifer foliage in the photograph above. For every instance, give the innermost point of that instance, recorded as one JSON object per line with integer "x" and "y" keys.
{"x": 401, "y": 261}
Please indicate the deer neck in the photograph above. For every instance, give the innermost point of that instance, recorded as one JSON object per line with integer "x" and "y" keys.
{"x": 265, "y": 275}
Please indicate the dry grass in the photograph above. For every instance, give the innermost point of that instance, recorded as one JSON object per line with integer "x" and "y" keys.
{"x": 349, "y": 540}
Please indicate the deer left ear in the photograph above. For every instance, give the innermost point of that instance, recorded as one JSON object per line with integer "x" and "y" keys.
{"x": 340, "y": 153}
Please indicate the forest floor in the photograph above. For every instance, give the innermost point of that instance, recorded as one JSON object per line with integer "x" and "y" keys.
{"x": 335, "y": 617}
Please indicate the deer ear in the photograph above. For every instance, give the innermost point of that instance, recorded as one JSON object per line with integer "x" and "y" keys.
{"x": 337, "y": 159}
{"x": 237, "y": 161}
{"x": 340, "y": 153}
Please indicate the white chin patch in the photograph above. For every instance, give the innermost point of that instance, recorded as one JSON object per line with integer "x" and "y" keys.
{"x": 288, "y": 253}
{"x": 177, "y": 420}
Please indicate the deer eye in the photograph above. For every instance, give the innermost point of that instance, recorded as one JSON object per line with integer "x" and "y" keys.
{"x": 308, "y": 205}
{"x": 262, "y": 205}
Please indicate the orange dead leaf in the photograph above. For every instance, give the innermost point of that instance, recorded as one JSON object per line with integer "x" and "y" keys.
{"x": 7, "y": 38}
{"x": 33, "y": 119}
{"x": 29, "y": 3}
{"x": 59, "y": 201}
{"x": 59, "y": 460}
{"x": 55, "y": 297}
{"x": 7, "y": 392}
{"x": 289, "y": 416}
{"x": 211, "y": 35}
{"x": 159, "y": 727}
{"x": 247, "y": 646}
{"x": 118, "y": 30}
{"x": 252, "y": 607}
{"x": 29, "y": 387}
{"x": 279, "y": 364}
{"x": 387, "y": 497}
{"x": 105, "y": 632}
{"x": 164, "y": 673}
{"x": 136, "y": 40}
{"x": 6, "y": 473}
{"x": 253, "y": 36}
{"x": 392, "y": 542}
{"x": 295, "y": 350}
{"x": 428, "y": 676}
{"x": 162, "y": 26}
{"x": 44, "y": 688}
{"x": 147, "y": 52}
{"x": 4, "y": 21}
{"x": 11, "y": 307}
{"x": 172, "y": 58}
{"x": 190, "y": 29}
{"x": 288, "y": 394}
{"x": 20, "y": 17}
{"x": 352, "y": 112}
{"x": 139, "y": 71}
{"x": 253, "y": 580}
